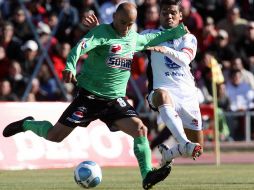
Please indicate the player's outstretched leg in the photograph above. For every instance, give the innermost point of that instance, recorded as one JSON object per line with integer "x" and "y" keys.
{"x": 15, "y": 127}
{"x": 155, "y": 176}
{"x": 189, "y": 149}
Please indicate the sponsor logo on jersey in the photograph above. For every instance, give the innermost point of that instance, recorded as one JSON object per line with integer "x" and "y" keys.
{"x": 116, "y": 49}
{"x": 170, "y": 64}
{"x": 174, "y": 74}
{"x": 118, "y": 62}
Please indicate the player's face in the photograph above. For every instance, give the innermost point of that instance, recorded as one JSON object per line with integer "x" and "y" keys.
{"x": 123, "y": 23}
{"x": 170, "y": 16}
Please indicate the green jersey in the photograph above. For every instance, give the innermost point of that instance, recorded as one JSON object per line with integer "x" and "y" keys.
{"x": 106, "y": 71}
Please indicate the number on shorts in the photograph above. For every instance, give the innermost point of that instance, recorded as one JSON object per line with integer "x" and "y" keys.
{"x": 121, "y": 102}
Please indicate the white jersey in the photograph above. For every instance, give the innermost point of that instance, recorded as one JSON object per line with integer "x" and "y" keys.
{"x": 172, "y": 70}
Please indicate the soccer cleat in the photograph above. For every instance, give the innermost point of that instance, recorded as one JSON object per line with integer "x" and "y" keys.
{"x": 15, "y": 127}
{"x": 155, "y": 176}
{"x": 193, "y": 150}
{"x": 164, "y": 150}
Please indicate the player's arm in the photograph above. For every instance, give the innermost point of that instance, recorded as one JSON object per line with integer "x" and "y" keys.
{"x": 182, "y": 57}
{"x": 87, "y": 43}
{"x": 152, "y": 39}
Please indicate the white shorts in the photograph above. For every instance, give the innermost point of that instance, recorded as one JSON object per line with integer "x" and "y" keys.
{"x": 187, "y": 108}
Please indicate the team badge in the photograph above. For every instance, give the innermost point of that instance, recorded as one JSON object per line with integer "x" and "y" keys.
{"x": 83, "y": 44}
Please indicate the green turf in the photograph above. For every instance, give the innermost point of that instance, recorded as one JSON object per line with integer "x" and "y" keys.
{"x": 205, "y": 177}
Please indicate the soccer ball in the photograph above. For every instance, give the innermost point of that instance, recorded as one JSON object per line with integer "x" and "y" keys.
{"x": 88, "y": 174}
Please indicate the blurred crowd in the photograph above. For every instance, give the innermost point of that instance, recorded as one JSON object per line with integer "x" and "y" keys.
{"x": 42, "y": 32}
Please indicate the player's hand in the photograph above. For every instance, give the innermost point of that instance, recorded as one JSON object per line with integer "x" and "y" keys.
{"x": 69, "y": 77}
{"x": 160, "y": 49}
{"x": 90, "y": 21}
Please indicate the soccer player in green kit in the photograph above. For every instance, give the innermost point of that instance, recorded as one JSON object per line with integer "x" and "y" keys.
{"x": 102, "y": 82}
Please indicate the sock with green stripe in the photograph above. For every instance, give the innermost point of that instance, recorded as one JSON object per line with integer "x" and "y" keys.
{"x": 40, "y": 128}
{"x": 142, "y": 152}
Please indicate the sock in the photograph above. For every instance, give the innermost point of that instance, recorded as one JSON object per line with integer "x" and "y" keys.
{"x": 40, "y": 128}
{"x": 142, "y": 152}
{"x": 173, "y": 122}
{"x": 176, "y": 151}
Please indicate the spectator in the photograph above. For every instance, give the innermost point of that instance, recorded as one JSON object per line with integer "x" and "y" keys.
{"x": 223, "y": 6}
{"x": 209, "y": 34}
{"x": 11, "y": 43}
{"x": 69, "y": 19}
{"x": 52, "y": 20}
{"x": 206, "y": 8}
{"x": 151, "y": 20}
{"x": 6, "y": 93}
{"x": 192, "y": 19}
{"x": 37, "y": 11}
{"x": 246, "y": 76}
{"x": 4, "y": 63}
{"x": 107, "y": 9}
{"x": 223, "y": 105}
{"x": 241, "y": 98}
{"x": 77, "y": 33}
{"x": 45, "y": 37}
{"x": 233, "y": 24}
{"x": 223, "y": 97}
{"x": 222, "y": 50}
{"x": 59, "y": 59}
{"x": 203, "y": 76}
{"x": 240, "y": 93}
{"x": 246, "y": 47}
{"x": 17, "y": 79}
{"x": 48, "y": 85}
{"x": 142, "y": 9}
{"x": 21, "y": 29}
{"x": 30, "y": 51}
{"x": 36, "y": 94}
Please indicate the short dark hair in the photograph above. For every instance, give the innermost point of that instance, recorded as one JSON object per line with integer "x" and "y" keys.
{"x": 233, "y": 72}
{"x": 171, "y": 2}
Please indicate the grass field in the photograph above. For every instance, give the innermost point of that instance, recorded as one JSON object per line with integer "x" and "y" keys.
{"x": 182, "y": 177}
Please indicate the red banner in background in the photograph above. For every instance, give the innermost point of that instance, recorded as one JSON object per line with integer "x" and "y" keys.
{"x": 28, "y": 151}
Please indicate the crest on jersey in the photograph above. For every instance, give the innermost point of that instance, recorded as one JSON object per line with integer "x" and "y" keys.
{"x": 170, "y": 64}
{"x": 116, "y": 48}
{"x": 83, "y": 44}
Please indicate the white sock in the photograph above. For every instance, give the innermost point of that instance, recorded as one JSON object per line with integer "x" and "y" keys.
{"x": 176, "y": 151}
{"x": 173, "y": 122}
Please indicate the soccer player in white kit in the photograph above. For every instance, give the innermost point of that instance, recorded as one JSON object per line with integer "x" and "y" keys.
{"x": 172, "y": 88}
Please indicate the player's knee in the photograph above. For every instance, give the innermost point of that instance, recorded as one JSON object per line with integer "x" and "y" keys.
{"x": 54, "y": 138}
{"x": 141, "y": 130}
{"x": 161, "y": 97}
